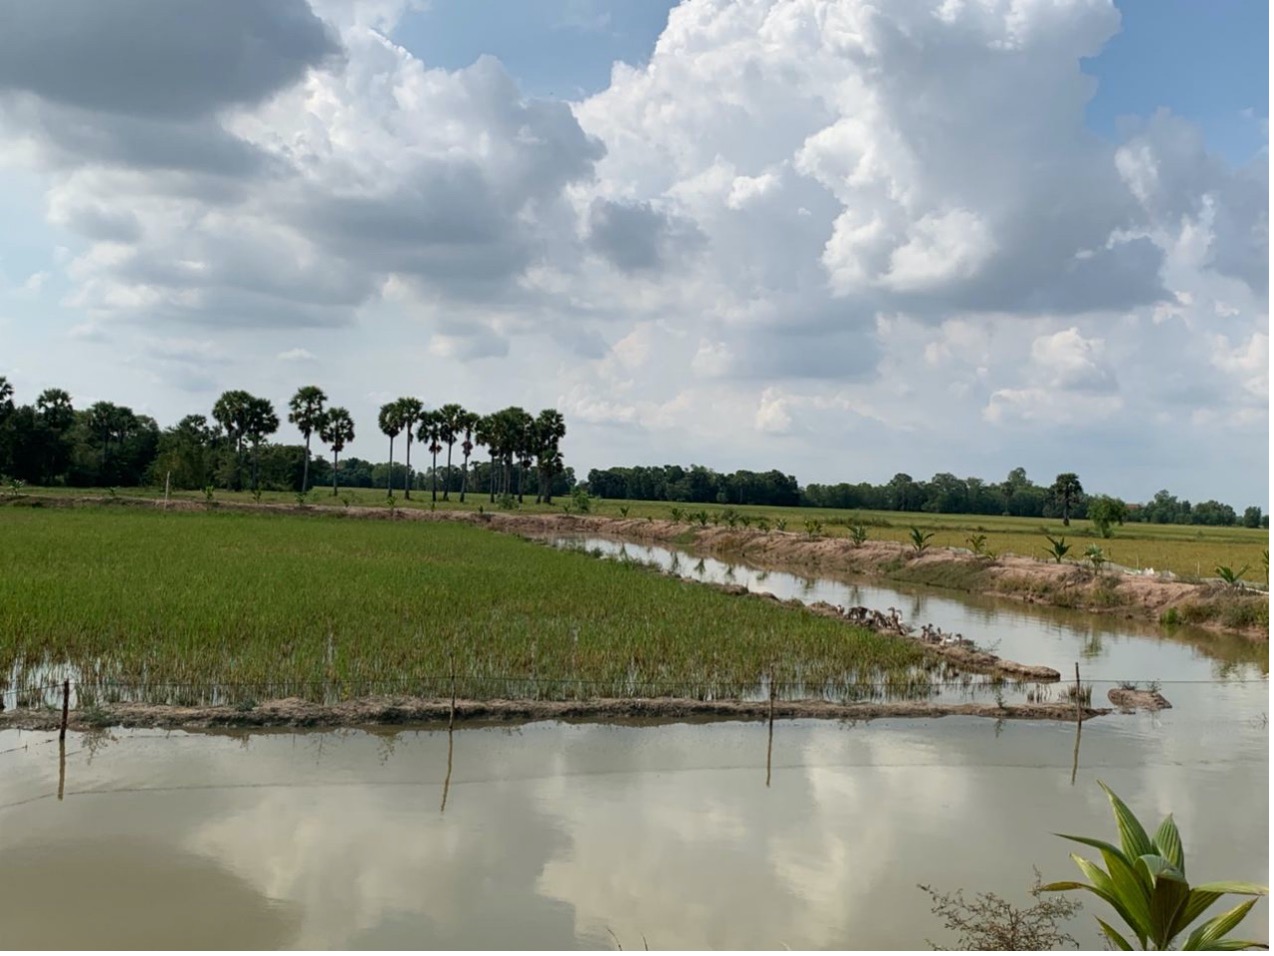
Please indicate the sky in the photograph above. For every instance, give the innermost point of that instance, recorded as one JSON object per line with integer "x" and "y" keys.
{"x": 840, "y": 238}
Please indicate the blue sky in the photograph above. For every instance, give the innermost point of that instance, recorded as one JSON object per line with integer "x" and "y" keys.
{"x": 842, "y": 237}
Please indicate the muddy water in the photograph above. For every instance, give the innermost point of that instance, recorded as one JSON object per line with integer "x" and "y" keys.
{"x": 1198, "y": 670}
{"x": 555, "y": 835}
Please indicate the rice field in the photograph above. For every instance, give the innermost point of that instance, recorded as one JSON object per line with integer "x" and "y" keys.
{"x": 207, "y": 607}
{"x": 1191, "y": 551}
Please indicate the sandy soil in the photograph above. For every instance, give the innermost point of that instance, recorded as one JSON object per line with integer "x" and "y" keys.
{"x": 377, "y": 711}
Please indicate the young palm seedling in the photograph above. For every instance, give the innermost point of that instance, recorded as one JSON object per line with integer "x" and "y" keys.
{"x": 1230, "y": 576}
{"x": 1057, "y": 547}
{"x": 1145, "y": 883}
{"x": 920, "y": 539}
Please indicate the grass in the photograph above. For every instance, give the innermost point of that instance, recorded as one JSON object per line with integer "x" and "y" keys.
{"x": 1186, "y": 550}
{"x": 198, "y": 607}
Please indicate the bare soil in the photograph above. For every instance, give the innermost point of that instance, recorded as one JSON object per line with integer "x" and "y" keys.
{"x": 380, "y": 711}
{"x": 1129, "y": 700}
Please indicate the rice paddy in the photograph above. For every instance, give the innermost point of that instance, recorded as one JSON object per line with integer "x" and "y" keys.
{"x": 233, "y": 607}
{"x": 1191, "y": 551}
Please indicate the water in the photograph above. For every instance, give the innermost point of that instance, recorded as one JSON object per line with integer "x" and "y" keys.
{"x": 1198, "y": 670}
{"x": 555, "y": 835}
{"x": 558, "y": 835}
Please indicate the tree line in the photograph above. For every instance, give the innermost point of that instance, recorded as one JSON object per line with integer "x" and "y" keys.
{"x": 944, "y": 493}
{"x": 50, "y": 442}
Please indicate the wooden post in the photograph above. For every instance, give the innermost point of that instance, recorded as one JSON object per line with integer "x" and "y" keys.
{"x": 451, "y": 719}
{"x": 769, "y": 749}
{"x": 167, "y": 480}
{"x": 66, "y": 707}
{"x": 1079, "y": 726}
{"x": 61, "y": 767}
{"x": 1078, "y": 692}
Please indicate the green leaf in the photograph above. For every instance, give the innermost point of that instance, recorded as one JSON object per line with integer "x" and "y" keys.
{"x": 1113, "y": 935}
{"x": 1154, "y": 868}
{"x": 1168, "y": 842}
{"x": 1233, "y": 886}
{"x": 1137, "y": 916}
{"x": 1200, "y": 900}
{"x": 1063, "y": 886}
{"x": 1237, "y": 944}
{"x": 1170, "y": 897}
{"x": 1132, "y": 835}
{"x": 1216, "y": 928}
{"x": 1097, "y": 844}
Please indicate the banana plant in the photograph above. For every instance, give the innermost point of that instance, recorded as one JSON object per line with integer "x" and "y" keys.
{"x": 1145, "y": 882}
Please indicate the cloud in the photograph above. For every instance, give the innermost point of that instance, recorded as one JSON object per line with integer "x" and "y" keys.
{"x": 297, "y": 355}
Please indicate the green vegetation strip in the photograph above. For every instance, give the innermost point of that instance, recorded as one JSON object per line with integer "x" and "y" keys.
{"x": 207, "y": 607}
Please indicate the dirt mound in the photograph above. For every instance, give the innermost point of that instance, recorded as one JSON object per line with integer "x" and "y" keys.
{"x": 379, "y": 711}
{"x": 1130, "y": 699}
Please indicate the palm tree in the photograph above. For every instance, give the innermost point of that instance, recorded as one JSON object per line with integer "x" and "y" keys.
{"x": 260, "y": 422}
{"x": 390, "y": 424}
{"x": 430, "y": 429}
{"x": 57, "y": 415}
{"x": 336, "y": 430}
{"x": 549, "y": 430}
{"x": 1067, "y": 491}
{"x": 306, "y": 413}
{"x": 409, "y": 412}
{"x": 486, "y": 434}
{"x": 469, "y": 423}
{"x": 230, "y": 412}
{"x": 450, "y": 421}
{"x": 522, "y": 442}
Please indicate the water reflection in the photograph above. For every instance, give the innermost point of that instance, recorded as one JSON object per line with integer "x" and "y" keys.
{"x": 558, "y": 835}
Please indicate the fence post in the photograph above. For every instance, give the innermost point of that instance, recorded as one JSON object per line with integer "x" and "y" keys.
{"x": 66, "y": 707}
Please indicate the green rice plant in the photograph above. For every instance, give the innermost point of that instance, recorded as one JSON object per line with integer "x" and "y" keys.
{"x": 1145, "y": 883}
{"x": 858, "y": 534}
{"x": 1057, "y": 547}
{"x": 919, "y": 539}
{"x": 227, "y": 606}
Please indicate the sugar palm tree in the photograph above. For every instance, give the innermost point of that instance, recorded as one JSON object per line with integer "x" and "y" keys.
{"x": 468, "y": 428}
{"x": 391, "y": 424}
{"x": 409, "y": 412}
{"x": 1067, "y": 491}
{"x": 450, "y": 422}
{"x": 231, "y": 413}
{"x": 336, "y": 430}
{"x": 260, "y": 423}
{"x": 485, "y": 434}
{"x": 428, "y": 432}
{"x": 548, "y": 432}
{"x": 305, "y": 412}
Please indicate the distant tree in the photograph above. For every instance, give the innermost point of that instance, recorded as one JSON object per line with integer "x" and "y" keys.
{"x": 260, "y": 423}
{"x": 548, "y": 431}
{"x": 487, "y": 433}
{"x": 336, "y": 430}
{"x": 1252, "y": 517}
{"x": 409, "y": 412}
{"x": 391, "y": 423}
{"x": 231, "y": 412}
{"x": 305, "y": 412}
{"x": 6, "y": 398}
{"x": 450, "y": 420}
{"x": 468, "y": 428}
{"x": 1105, "y": 511}
{"x": 429, "y": 430}
{"x": 1066, "y": 491}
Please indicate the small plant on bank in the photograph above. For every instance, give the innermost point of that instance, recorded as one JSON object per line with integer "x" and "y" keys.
{"x": 977, "y": 544}
{"x": 1145, "y": 882}
{"x": 677, "y": 514}
{"x": 1230, "y": 576}
{"x": 579, "y": 499}
{"x": 763, "y": 523}
{"x": 858, "y": 534}
{"x": 623, "y": 511}
{"x": 112, "y": 493}
{"x": 1096, "y": 557}
{"x": 256, "y": 495}
{"x": 207, "y": 493}
{"x": 700, "y": 516}
{"x": 813, "y": 527}
{"x": 302, "y": 497}
{"x": 919, "y": 539}
{"x": 1057, "y": 547}
{"x": 745, "y": 520}
{"x": 781, "y": 525}
{"x": 730, "y": 517}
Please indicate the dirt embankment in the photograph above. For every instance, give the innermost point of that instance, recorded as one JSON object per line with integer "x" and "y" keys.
{"x": 379, "y": 711}
{"x": 1022, "y": 578}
